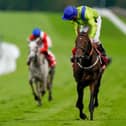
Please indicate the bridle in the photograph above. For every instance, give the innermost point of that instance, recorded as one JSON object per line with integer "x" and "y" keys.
{"x": 86, "y": 56}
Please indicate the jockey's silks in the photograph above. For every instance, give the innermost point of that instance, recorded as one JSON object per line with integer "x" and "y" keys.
{"x": 86, "y": 17}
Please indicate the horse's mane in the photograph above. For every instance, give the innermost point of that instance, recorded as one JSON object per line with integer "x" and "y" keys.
{"x": 83, "y": 35}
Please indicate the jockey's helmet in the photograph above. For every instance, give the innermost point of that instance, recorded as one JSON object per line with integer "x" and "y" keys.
{"x": 69, "y": 13}
{"x": 36, "y": 32}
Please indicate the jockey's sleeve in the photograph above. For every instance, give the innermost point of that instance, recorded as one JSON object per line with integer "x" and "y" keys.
{"x": 93, "y": 27}
{"x": 91, "y": 14}
{"x": 45, "y": 43}
{"x": 75, "y": 27}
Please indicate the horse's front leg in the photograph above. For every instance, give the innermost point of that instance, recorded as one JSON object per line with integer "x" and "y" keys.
{"x": 50, "y": 82}
{"x": 92, "y": 99}
{"x": 79, "y": 103}
{"x": 33, "y": 90}
{"x": 38, "y": 89}
{"x": 96, "y": 94}
{"x": 97, "y": 91}
{"x": 44, "y": 85}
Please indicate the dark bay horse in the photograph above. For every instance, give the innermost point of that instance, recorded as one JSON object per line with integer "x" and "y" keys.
{"x": 40, "y": 74}
{"x": 87, "y": 71}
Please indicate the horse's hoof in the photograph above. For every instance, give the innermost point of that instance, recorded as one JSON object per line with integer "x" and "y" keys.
{"x": 39, "y": 103}
{"x": 91, "y": 117}
{"x": 83, "y": 116}
{"x": 36, "y": 97}
{"x": 96, "y": 104}
{"x": 43, "y": 93}
{"x": 50, "y": 98}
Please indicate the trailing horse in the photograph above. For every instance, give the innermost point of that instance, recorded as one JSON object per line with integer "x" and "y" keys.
{"x": 87, "y": 71}
{"x": 40, "y": 73}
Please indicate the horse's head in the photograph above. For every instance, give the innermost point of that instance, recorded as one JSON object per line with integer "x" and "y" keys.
{"x": 83, "y": 47}
{"x": 33, "y": 50}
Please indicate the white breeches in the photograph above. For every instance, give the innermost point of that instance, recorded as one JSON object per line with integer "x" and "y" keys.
{"x": 97, "y": 35}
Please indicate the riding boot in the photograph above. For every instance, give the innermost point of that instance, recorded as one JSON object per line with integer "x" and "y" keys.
{"x": 106, "y": 60}
{"x": 51, "y": 60}
{"x": 101, "y": 49}
{"x": 52, "y": 70}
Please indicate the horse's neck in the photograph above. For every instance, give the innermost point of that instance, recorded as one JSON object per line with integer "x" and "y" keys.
{"x": 94, "y": 55}
{"x": 41, "y": 57}
{"x": 36, "y": 62}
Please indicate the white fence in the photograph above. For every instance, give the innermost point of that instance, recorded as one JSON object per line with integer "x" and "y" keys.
{"x": 8, "y": 55}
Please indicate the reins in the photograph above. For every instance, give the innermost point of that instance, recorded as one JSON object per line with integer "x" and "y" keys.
{"x": 91, "y": 66}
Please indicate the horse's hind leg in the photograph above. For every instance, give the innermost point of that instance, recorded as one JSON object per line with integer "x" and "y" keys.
{"x": 92, "y": 99}
{"x": 49, "y": 87}
{"x": 50, "y": 82}
{"x": 97, "y": 91}
{"x": 79, "y": 103}
{"x": 96, "y": 95}
{"x": 38, "y": 89}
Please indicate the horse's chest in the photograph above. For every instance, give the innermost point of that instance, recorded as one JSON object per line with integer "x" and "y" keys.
{"x": 85, "y": 76}
{"x": 89, "y": 76}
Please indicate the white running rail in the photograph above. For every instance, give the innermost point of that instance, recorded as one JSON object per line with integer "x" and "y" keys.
{"x": 8, "y": 55}
{"x": 112, "y": 17}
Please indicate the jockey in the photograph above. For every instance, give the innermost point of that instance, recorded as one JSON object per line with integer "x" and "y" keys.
{"x": 45, "y": 45}
{"x": 86, "y": 19}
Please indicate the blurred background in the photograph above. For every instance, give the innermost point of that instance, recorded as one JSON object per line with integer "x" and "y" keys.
{"x": 56, "y": 5}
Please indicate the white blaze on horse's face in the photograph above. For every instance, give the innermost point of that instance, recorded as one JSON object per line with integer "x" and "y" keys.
{"x": 33, "y": 48}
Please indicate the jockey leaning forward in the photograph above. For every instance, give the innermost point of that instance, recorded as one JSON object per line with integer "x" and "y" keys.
{"x": 86, "y": 19}
{"x": 46, "y": 43}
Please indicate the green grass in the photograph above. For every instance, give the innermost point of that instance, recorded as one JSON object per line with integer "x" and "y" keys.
{"x": 17, "y": 107}
{"x": 123, "y": 18}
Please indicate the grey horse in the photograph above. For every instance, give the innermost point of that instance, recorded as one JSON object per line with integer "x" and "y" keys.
{"x": 40, "y": 74}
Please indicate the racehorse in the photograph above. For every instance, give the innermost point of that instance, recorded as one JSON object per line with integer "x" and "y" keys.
{"x": 40, "y": 73}
{"x": 87, "y": 71}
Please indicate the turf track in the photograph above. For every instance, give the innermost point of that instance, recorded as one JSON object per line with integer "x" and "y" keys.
{"x": 17, "y": 107}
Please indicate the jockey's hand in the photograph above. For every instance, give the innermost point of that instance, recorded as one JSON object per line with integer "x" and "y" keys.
{"x": 44, "y": 51}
